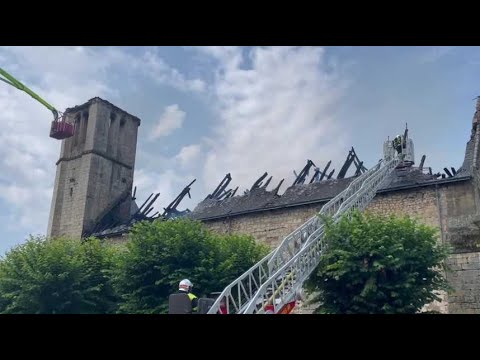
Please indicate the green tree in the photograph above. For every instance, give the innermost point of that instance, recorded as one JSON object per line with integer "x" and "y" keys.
{"x": 375, "y": 264}
{"x": 161, "y": 253}
{"x": 57, "y": 276}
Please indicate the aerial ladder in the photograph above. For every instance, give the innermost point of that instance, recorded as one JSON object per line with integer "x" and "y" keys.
{"x": 60, "y": 129}
{"x": 273, "y": 284}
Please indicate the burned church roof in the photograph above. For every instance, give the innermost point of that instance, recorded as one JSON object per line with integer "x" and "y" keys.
{"x": 296, "y": 195}
{"x": 109, "y": 225}
{"x": 319, "y": 190}
{"x": 261, "y": 199}
{"x": 223, "y": 203}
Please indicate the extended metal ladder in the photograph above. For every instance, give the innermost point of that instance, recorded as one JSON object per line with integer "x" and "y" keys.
{"x": 274, "y": 281}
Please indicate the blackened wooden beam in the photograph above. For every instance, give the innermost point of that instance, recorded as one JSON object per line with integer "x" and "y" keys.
{"x": 222, "y": 186}
{"x": 257, "y": 183}
{"x": 346, "y": 164}
{"x": 315, "y": 175}
{"x": 268, "y": 182}
{"x": 140, "y": 208}
{"x": 275, "y": 191}
{"x": 422, "y": 162}
{"x": 152, "y": 201}
{"x": 325, "y": 171}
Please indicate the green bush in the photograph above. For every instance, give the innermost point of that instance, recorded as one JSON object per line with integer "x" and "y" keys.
{"x": 375, "y": 264}
{"x": 57, "y": 276}
{"x": 161, "y": 253}
{"x": 69, "y": 276}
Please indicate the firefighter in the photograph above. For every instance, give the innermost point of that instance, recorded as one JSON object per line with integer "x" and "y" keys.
{"x": 186, "y": 286}
{"x": 397, "y": 144}
{"x": 183, "y": 301}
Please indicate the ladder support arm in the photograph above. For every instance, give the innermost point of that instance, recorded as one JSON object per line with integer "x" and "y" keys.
{"x": 9, "y": 79}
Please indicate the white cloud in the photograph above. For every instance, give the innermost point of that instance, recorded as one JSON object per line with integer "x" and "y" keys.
{"x": 228, "y": 56}
{"x": 32, "y": 199}
{"x": 171, "y": 119}
{"x": 157, "y": 68}
{"x": 274, "y": 113}
{"x": 188, "y": 154}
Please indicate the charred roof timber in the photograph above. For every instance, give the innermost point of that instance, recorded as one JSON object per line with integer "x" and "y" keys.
{"x": 359, "y": 168}
{"x": 352, "y": 158}
{"x": 171, "y": 211}
{"x": 267, "y": 182}
{"x": 220, "y": 191}
{"x": 275, "y": 191}
{"x": 257, "y": 184}
{"x": 448, "y": 173}
{"x": 300, "y": 178}
{"x": 319, "y": 175}
{"x": 109, "y": 220}
{"x": 227, "y": 194}
{"x": 316, "y": 176}
{"x": 422, "y": 162}
{"x": 142, "y": 212}
{"x": 109, "y": 225}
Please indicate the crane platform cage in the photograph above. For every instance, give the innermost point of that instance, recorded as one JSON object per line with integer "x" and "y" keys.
{"x": 61, "y": 129}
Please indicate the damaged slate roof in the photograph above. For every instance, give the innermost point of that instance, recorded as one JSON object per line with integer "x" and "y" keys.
{"x": 415, "y": 178}
{"x": 261, "y": 199}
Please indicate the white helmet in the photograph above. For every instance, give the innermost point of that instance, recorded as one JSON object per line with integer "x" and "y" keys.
{"x": 185, "y": 284}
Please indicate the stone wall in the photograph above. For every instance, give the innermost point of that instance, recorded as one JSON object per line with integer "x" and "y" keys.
{"x": 460, "y": 206}
{"x": 420, "y": 203}
{"x": 465, "y": 279}
{"x": 268, "y": 227}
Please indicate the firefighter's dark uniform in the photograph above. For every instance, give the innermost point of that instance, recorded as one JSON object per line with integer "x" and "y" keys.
{"x": 182, "y": 302}
{"x": 397, "y": 144}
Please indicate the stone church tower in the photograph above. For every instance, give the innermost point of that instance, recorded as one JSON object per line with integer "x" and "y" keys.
{"x": 95, "y": 170}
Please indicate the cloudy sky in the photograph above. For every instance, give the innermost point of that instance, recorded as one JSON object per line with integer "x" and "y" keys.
{"x": 209, "y": 111}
